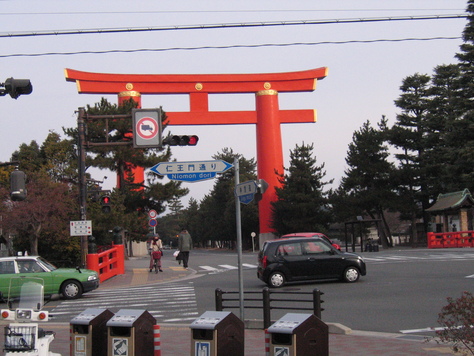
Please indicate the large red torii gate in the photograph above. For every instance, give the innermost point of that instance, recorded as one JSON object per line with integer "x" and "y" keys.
{"x": 267, "y": 117}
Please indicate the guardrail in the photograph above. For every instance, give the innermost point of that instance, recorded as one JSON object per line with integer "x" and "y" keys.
{"x": 266, "y": 300}
{"x": 450, "y": 239}
{"x": 108, "y": 263}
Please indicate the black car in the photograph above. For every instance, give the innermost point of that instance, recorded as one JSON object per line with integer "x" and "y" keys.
{"x": 301, "y": 259}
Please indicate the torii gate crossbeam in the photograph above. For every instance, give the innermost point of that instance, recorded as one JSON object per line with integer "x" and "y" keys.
{"x": 267, "y": 117}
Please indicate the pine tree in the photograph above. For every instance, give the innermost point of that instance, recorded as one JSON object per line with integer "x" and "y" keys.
{"x": 302, "y": 202}
{"x": 410, "y": 136}
{"x": 217, "y": 209}
{"x": 367, "y": 182}
{"x": 445, "y": 108}
{"x": 461, "y": 136}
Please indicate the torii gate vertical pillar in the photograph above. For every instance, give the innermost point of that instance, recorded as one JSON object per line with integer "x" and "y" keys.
{"x": 269, "y": 153}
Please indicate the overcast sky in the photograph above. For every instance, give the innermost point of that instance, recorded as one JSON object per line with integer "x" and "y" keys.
{"x": 362, "y": 84}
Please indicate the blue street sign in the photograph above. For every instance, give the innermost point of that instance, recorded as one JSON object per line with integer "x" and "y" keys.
{"x": 192, "y": 171}
{"x": 246, "y": 191}
{"x": 247, "y": 198}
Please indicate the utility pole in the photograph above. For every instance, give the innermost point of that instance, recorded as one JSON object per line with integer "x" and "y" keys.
{"x": 82, "y": 181}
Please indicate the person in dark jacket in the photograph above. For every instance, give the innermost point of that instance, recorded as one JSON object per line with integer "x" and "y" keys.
{"x": 185, "y": 244}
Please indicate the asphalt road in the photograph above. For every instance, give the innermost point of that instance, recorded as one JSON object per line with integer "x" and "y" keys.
{"x": 403, "y": 291}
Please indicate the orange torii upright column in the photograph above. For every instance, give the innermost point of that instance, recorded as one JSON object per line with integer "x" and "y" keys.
{"x": 267, "y": 117}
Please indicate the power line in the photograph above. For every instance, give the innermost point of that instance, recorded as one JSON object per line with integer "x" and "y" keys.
{"x": 208, "y": 11}
{"x": 224, "y": 47}
{"x": 230, "y": 25}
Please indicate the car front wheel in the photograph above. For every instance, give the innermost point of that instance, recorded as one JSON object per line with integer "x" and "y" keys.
{"x": 71, "y": 290}
{"x": 351, "y": 275}
{"x": 276, "y": 280}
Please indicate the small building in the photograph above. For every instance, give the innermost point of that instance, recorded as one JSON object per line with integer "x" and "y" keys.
{"x": 452, "y": 212}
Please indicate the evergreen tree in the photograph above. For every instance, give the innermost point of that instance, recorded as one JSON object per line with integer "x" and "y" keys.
{"x": 445, "y": 108}
{"x": 130, "y": 203}
{"x": 302, "y": 203}
{"x": 366, "y": 187}
{"x": 217, "y": 209}
{"x": 461, "y": 135}
{"x": 410, "y": 136}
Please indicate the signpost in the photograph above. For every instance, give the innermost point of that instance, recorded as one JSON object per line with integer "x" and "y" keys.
{"x": 192, "y": 171}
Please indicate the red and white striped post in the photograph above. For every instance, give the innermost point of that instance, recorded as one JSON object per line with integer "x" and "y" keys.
{"x": 267, "y": 343}
{"x": 157, "y": 340}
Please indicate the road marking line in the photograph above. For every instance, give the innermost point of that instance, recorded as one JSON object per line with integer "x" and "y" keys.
{"x": 249, "y": 265}
{"x": 208, "y": 268}
{"x": 228, "y": 266}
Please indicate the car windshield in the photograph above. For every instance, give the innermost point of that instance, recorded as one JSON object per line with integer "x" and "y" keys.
{"x": 47, "y": 264}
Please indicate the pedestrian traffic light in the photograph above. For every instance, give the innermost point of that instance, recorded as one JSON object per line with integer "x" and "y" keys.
{"x": 181, "y": 140}
{"x": 105, "y": 202}
{"x": 18, "y": 185}
{"x": 16, "y": 87}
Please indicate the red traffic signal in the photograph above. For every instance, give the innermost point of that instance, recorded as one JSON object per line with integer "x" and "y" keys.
{"x": 181, "y": 140}
{"x": 105, "y": 202}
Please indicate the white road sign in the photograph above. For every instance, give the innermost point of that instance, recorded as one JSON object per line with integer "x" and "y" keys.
{"x": 81, "y": 228}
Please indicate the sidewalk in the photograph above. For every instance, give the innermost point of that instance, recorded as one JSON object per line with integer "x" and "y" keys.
{"x": 176, "y": 339}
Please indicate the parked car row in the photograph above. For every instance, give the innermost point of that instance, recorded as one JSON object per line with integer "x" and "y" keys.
{"x": 306, "y": 256}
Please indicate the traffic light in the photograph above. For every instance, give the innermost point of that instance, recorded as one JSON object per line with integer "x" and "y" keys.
{"x": 16, "y": 87}
{"x": 105, "y": 202}
{"x": 117, "y": 234}
{"x": 181, "y": 140}
{"x": 262, "y": 186}
{"x": 18, "y": 185}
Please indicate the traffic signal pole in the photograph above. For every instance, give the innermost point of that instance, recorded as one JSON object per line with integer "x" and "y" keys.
{"x": 239, "y": 240}
{"x": 82, "y": 181}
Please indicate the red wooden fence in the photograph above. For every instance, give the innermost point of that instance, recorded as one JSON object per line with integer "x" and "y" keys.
{"x": 451, "y": 239}
{"x": 108, "y": 263}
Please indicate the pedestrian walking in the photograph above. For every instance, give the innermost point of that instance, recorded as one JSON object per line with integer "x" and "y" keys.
{"x": 156, "y": 253}
{"x": 185, "y": 244}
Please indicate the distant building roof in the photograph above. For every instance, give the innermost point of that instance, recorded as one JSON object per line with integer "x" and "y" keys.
{"x": 452, "y": 201}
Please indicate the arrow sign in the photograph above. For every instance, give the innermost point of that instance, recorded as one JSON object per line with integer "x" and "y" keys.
{"x": 192, "y": 171}
{"x": 246, "y": 191}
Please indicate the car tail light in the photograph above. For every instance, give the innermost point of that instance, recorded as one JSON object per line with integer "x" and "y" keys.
{"x": 5, "y": 314}
{"x": 264, "y": 262}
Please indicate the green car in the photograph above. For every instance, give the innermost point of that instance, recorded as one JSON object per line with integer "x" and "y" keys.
{"x": 69, "y": 282}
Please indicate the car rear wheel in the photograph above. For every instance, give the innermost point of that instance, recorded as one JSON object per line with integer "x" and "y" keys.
{"x": 276, "y": 280}
{"x": 351, "y": 275}
{"x": 71, "y": 289}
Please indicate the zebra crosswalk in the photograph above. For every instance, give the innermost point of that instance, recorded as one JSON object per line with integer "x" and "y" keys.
{"x": 170, "y": 302}
{"x": 444, "y": 256}
{"x": 373, "y": 258}
{"x": 223, "y": 268}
